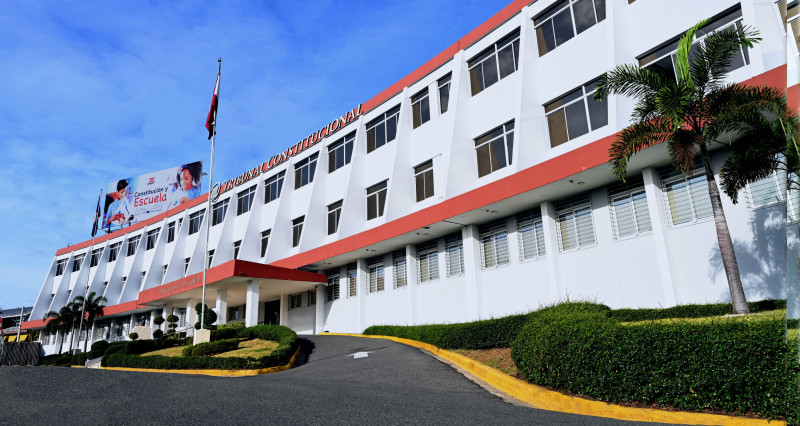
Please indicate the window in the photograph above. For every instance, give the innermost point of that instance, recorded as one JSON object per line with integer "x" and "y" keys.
{"x": 219, "y": 210}
{"x": 273, "y": 186}
{"x": 332, "y": 287}
{"x": 495, "y": 63}
{"x": 382, "y": 130}
{"x": 454, "y": 254}
{"x": 399, "y": 268}
{"x": 95, "y": 259}
{"x": 495, "y": 149}
{"x": 233, "y": 313}
{"x": 428, "y": 261}
{"x": 236, "y": 246}
{"x": 61, "y": 265}
{"x": 575, "y": 114}
{"x": 186, "y": 265}
{"x": 530, "y": 233}
{"x": 124, "y": 280}
{"x": 444, "y": 93}
{"x": 686, "y": 196}
{"x": 77, "y": 261}
{"x": 170, "y": 232}
{"x": 304, "y": 171}
{"x": 297, "y": 230}
{"x": 244, "y": 200}
{"x": 768, "y": 191}
{"x": 420, "y": 108}
{"x": 152, "y": 237}
{"x": 792, "y": 13}
{"x": 334, "y": 214}
{"x": 376, "y": 200}
{"x": 494, "y": 244}
{"x": 265, "y": 241}
{"x": 113, "y": 251}
{"x": 295, "y": 300}
{"x": 143, "y": 274}
{"x": 662, "y": 60}
{"x": 163, "y": 272}
{"x": 375, "y": 274}
{"x": 352, "y": 280}
{"x": 423, "y": 177}
{"x": 133, "y": 243}
{"x": 629, "y": 214}
{"x": 195, "y": 220}
{"x": 575, "y": 225}
{"x": 340, "y": 152}
{"x": 210, "y": 257}
{"x": 566, "y": 19}
{"x": 311, "y": 298}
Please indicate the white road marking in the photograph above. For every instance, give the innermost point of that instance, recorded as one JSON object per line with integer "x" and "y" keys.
{"x": 358, "y": 355}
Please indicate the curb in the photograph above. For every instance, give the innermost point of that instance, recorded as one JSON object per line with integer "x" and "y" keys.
{"x": 217, "y": 373}
{"x": 545, "y": 399}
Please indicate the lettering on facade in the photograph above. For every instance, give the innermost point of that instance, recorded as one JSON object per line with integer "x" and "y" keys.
{"x": 311, "y": 140}
{"x": 177, "y": 287}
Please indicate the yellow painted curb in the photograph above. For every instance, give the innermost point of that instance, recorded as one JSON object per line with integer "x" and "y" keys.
{"x": 217, "y": 373}
{"x": 546, "y": 399}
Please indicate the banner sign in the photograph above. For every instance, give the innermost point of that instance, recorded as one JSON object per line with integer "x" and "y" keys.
{"x": 315, "y": 138}
{"x": 138, "y": 198}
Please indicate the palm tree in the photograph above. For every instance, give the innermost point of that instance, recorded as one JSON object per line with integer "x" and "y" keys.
{"x": 60, "y": 322}
{"x": 689, "y": 113}
{"x": 93, "y": 307}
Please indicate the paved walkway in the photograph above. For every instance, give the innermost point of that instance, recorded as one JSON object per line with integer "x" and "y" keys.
{"x": 387, "y": 383}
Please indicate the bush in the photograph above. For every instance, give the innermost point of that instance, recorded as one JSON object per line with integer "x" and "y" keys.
{"x": 224, "y": 333}
{"x": 492, "y": 333}
{"x": 729, "y": 365}
{"x": 236, "y": 325}
{"x": 287, "y": 345}
{"x": 56, "y": 360}
{"x": 99, "y": 345}
{"x": 692, "y": 311}
{"x": 157, "y": 333}
{"x": 209, "y": 319}
{"x": 136, "y": 347}
{"x": 158, "y": 320}
{"x": 211, "y": 348}
{"x": 79, "y": 359}
{"x": 133, "y": 336}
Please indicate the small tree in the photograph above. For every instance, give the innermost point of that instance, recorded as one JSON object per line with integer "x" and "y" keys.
{"x": 209, "y": 319}
{"x": 158, "y": 321}
{"x": 172, "y": 323}
{"x": 157, "y": 333}
{"x": 133, "y": 336}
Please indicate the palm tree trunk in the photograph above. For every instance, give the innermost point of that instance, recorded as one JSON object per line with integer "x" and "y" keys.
{"x": 724, "y": 238}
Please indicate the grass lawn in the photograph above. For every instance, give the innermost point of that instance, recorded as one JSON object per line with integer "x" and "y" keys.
{"x": 778, "y": 313}
{"x": 497, "y": 358}
{"x": 255, "y": 348}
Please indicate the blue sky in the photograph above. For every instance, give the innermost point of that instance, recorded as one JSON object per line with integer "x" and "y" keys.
{"x": 96, "y": 91}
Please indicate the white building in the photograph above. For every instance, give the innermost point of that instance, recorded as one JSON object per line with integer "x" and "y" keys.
{"x": 475, "y": 187}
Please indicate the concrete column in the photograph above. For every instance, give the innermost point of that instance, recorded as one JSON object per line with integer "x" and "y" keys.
{"x": 551, "y": 247}
{"x": 251, "y": 303}
{"x": 411, "y": 282}
{"x": 284, "y": 317}
{"x": 222, "y": 306}
{"x": 472, "y": 265}
{"x": 361, "y": 283}
{"x": 131, "y": 323}
{"x": 659, "y": 222}
{"x": 191, "y": 315}
{"x": 319, "y": 312}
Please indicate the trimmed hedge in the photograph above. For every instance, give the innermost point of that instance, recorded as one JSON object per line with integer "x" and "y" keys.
{"x": 211, "y": 348}
{"x": 731, "y": 365}
{"x": 236, "y": 325}
{"x": 79, "y": 359}
{"x": 692, "y": 311}
{"x": 56, "y": 360}
{"x": 136, "y": 347}
{"x": 224, "y": 333}
{"x": 287, "y": 345}
{"x": 492, "y": 333}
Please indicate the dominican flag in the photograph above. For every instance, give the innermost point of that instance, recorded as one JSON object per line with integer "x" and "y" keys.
{"x": 96, "y": 215}
{"x": 211, "y": 121}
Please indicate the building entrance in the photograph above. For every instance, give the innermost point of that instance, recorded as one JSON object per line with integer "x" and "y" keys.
{"x": 272, "y": 312}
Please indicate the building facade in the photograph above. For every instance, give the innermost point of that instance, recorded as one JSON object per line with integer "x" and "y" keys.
{"x": 476, "y": 187}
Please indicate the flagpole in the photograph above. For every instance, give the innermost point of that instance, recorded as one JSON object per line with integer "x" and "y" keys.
{"x": 91, "y": 248}
{"x": 19, "y": 328}
{"x": 208, "y": 204}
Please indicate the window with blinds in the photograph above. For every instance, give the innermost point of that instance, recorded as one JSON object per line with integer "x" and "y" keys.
{"x": 531, "y": 235}
{"x": 399, "y": 268}
{"x": 332, "y": 287}
{"x": 629, "y": 214}
{"x": 352, "y": 280}
{"x": 454, "y": 254}
{"x": 686, "y": 197}
{"x": 311, "y": 298}
{"x": 295, "y": 300}
{"x": 494, "y": 244}
{"x": 375, "y": 274}
{"x": 575, "y": 224}
{"x": 768, "y": 191}
{"x": 428, "y": 261}
{"x": 793, "y": 201}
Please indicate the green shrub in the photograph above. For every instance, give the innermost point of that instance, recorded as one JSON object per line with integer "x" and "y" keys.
{"x": 209, "y": 319}
{"x": 79, "y": 359}
{"x": 223, "y": 333}
{"x": 157, "y": 333}
{"x": 133, "y": 336}
{"x": 236, "y": 325}
{"x": 158, "y": 320}
{"x": 287, "y": 345}
{"x": 99, "y": 345}
{"x": 211, "y": 348}
{"x": 692, "y": 311}
{"x": 729, "y": 365}
{"x": 56, "y": 360}
{"x": 136, "y": 347}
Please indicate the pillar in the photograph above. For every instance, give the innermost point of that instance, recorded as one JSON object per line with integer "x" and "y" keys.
{"x": 551, "y": 247}
{"x": 659, "y": 223}
{"x": 319, "y": 317}
{"x": 472, "y": 264}
{"x": 284, "y": 316}
{"x": 411, "y": 282}
{"x": 251, "y": 303}
{"x": 222, "y": 306}
{"x": 361, "y": 284}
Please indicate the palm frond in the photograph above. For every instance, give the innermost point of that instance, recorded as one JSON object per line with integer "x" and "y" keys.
{"x": 630, "y": 80}
{"x": 682, "y": 68}
{"x": 682, "y": 149}
{"x": 709, "y": 65}
{"x": 633, "y": 139}
{"x": 733, "y": 108}
{"x": 673, "y": 102}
